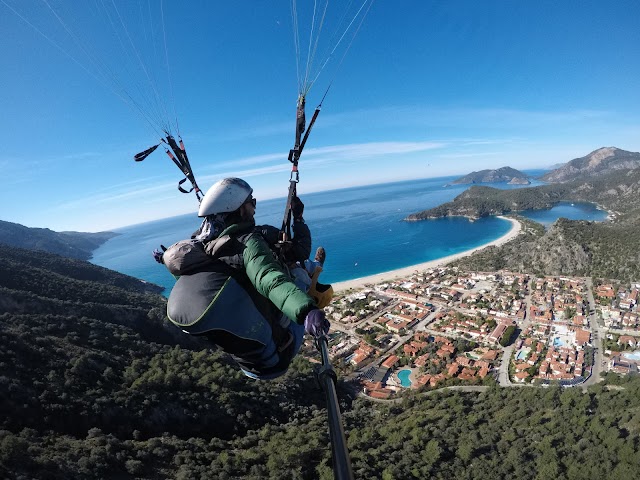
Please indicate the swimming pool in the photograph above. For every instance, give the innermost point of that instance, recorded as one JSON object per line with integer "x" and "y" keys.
{"x": 635, "y": 356}
{"x": 403, "y": 375}
{"x": 557, "y": 342}
{"x": 522, "y": 354}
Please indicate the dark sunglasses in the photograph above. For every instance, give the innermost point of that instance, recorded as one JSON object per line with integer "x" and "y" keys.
{"x": 252, "y": 201}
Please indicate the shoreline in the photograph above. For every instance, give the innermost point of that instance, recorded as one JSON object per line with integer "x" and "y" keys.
{"x": 357, "y": 283}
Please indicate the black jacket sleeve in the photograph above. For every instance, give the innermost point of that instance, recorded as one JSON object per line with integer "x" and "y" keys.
{"x": 269, "y": 233}
{"x": 301, "y": 249}
{"x": 300, "y": 244}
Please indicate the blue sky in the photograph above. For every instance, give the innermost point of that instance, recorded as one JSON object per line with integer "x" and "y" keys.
{"x": 428, "y": 88}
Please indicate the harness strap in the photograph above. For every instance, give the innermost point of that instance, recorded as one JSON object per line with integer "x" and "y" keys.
{"x": 294, "y": 157}
{"x": 180, "y": 158}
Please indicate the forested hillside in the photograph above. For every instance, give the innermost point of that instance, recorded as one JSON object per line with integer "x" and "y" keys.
{"x": 69, "y": 244}
{"x": 94, "y": 385}
{"x": 618, "y": 191}
{"x": 568, "y": 247}
{"x": 33, "y": 271}
{"x": 571, "y": 247}
{"x": 599, "y": 162}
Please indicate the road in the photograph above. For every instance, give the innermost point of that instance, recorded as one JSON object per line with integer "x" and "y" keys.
{"x": 598, "y": 332}
{"x": 503, "y": 371}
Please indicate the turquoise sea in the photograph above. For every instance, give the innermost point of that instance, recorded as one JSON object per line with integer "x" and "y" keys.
{"x": 361, "y": 228}
{"x": 572, "y": 211}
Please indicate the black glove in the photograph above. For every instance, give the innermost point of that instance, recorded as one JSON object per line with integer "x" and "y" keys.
{"x": 316, "y": 323}
{"x": 297, "y": 208}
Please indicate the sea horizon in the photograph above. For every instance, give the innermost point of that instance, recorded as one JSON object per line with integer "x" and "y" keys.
{"x": 362, "y": 229}
{"x": 533, "y": 173}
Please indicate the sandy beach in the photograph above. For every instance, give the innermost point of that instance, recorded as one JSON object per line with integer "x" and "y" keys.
{"x": 406, "y": 271}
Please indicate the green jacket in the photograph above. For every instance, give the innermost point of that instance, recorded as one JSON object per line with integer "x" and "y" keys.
{"x": 240, "y": 251}
{"x": 238, "y": 300}
{"x": 269, "y": 278}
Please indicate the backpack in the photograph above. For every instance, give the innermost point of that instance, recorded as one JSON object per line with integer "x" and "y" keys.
{"x": 185, "y": 257}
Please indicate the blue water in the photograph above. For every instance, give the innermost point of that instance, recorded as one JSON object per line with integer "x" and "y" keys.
{"x": 572, "y": 211}
{"x": 557, "y": 342}
{"x": 403, "y": 375}
{"x": 361, "y": 229}
{"x": 635, "y": 356}
{"x": 522, "y": 354}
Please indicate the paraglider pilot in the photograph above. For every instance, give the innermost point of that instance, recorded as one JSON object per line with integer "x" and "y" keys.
{"x": 232, "y": 289}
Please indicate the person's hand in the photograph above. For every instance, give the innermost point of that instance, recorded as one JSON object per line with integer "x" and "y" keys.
{"x": 297, "y": 207}
{"x": 316, "y": 323}
{"x": 158, "y": 254}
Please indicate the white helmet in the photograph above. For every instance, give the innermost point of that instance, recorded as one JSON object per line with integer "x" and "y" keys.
{"x": 224, "y": 196}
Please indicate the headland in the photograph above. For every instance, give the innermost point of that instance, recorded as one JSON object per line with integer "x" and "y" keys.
{"x": 516, "y": 227}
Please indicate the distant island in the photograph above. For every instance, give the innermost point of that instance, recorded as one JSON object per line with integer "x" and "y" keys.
{"x": 501, "y": 175}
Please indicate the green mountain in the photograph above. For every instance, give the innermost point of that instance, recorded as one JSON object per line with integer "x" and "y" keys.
{"x": 617, "y": 191}
{"x": 610, "y": 249}
{"x": 95, "y": 385}
{"x": 93, "y": 376}
{"x": 568, "y": 247}
{"x": 501, "y": 175}
{"x": 39, "y": 273}
{"x": 599, "y": 162}
{"x": 69, "y": 244}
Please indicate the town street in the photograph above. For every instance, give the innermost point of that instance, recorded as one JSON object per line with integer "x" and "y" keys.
{"x": 598, "y": 332}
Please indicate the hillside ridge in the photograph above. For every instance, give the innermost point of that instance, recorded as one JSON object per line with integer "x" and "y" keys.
{"x": 602, "y": 161}
{"x": 500, "y": 175}
{"x": 79, "y": 245}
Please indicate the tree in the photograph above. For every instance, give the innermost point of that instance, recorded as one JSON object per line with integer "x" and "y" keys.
{"x": 506, "y": 336}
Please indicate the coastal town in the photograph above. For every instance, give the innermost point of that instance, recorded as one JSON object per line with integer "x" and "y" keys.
{"x": 446, "y": 327}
